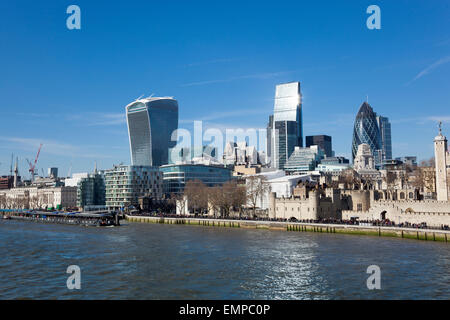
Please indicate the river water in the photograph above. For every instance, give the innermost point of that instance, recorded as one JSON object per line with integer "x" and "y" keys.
{"x": 148, "y": 261}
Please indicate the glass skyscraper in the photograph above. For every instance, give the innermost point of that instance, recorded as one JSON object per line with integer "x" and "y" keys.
{"x": 366, "y": 131}
{"x": 287, "y": 132}
{"x": 323, "y": 141}
{"x": 151, "y": 122}
{"x": 385, "y": 131}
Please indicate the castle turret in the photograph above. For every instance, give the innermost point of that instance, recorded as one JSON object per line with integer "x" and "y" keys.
{"x": 440, "y": 155}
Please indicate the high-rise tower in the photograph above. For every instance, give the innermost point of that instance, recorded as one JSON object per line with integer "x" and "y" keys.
{"x": 385, "y": 132}
{"x": 151, "y": 122}
{"x": 287, "y": 130}
{"x": 366, "y": 131}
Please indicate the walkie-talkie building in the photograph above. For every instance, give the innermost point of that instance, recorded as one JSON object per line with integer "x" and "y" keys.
{"x": 366, "y": 131}
{"x": 151, "y": 122}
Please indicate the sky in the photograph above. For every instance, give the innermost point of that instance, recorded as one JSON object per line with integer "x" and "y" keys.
{"x": 221, "y": 60}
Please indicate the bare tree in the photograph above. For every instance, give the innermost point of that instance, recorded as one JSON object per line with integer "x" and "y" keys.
{"x": 3, "y": 201}
{"x": 195, "y": 190}
{"x": 239, "y": 198}
{"x": 350, "y": 179}
{"x": 215, "y": 199}
{"x": 425, "y": 176}
{"x": 178, "y": 202}
{"x": 256, "y": 187}
{"x": 390, "y": 179}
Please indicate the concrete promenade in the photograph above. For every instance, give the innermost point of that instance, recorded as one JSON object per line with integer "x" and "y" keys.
{"x": 408, "y": 233}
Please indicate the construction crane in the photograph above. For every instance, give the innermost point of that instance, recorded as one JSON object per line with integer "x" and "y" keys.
{"x": 70, "y": 170}
{"x": 33, "y": 166}
{"x": 11, "y": 166}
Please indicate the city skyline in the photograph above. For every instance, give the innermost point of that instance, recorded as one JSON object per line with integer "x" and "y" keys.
{"x": 58, "y": 91}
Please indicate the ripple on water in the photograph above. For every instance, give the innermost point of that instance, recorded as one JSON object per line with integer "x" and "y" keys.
{"x": 145, "y": 261}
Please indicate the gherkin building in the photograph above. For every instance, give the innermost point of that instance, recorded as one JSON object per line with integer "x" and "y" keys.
{"x": 366, "y": 130}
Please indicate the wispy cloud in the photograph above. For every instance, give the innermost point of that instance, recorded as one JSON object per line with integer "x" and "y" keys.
{"x": 84, "y": 118}
{"x": 51, "y": 147}
{"x": 228, "y": 114}
{"x": 443, "y": 43}
{"x": 267, "y": 75}
{"x": 428, "y": 69}
{"x": 98, "y": 119}
{"x": 213, "y": 61}
{"x": 444, "y": 119}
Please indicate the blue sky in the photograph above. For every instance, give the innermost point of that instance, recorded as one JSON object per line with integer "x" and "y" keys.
{"x": 221, "y": 60}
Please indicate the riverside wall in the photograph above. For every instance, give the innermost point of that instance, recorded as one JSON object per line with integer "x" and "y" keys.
{"x": 407, "y": 233}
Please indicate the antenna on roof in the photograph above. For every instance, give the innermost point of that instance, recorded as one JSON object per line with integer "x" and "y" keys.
{"x": 151, "y": 96}
{"x": 139, "y": 97}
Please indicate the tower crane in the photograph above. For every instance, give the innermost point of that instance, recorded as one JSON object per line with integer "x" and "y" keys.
{"x": 33, "y": 166}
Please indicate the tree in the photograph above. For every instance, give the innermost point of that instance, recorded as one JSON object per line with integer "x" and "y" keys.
{"x": 177, "y": 200}
{"x": 215, "y": 198}
{"x": 196, "y": 192}
{"x": 256, "y": 188}
{"x": 350, "y": 179}
{"x": 239, "y": 198}
{"x": 3, "y": 201}
{"x": 425, "y": 176}
{"x": 390, "y": 179}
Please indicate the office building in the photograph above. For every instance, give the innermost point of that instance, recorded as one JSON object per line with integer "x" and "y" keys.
{"x": 408, "y": 160}
{"x": 386, "y": 142}
{"x": 366, "y": 131}
{"x": 176, "y": 175}
{"x": 269, "y": 142}
{"x": 126, "y": 184}
{"x": 91, "y": 191}
{"x": 334, "y": 160}
{"x": 303, "y": 160}
{"x": 151, "y": 122}
{"x": 52, "y": 173}
{"x": 287, "y": 132}
{"x": 323, "y": 141}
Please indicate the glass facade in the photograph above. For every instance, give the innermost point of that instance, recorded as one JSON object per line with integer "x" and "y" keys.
{"x": 125, "y": 184}
{"x": 91, "y": 191}
{"x": 151, "y": 123}
{"x": 287, "y": 123}
{"x": 304, "y": 159}
{"x": 323, "y": 141}
{"x": 385, "y": 131}
{"x": 176, "y": 176}
{"x": 366, "y": 131}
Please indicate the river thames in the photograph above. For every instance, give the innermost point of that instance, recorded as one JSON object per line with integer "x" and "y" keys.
{"x": 148, "y": 261}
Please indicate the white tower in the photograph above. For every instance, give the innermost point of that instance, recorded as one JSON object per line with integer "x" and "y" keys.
{"x": 441, "y": 157}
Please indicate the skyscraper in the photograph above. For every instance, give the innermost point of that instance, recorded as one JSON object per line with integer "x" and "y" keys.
{"x": 385, "y": 131}
{"x": 269, "y": 146}
{"x": 366, "y": 131}
{"x": 323, "y": 141}
{"x": 151, "y": 122}
{"x": 287, "y": 123}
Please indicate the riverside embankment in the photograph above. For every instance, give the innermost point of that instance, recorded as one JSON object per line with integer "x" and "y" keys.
{"x": 408, "y": 233}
